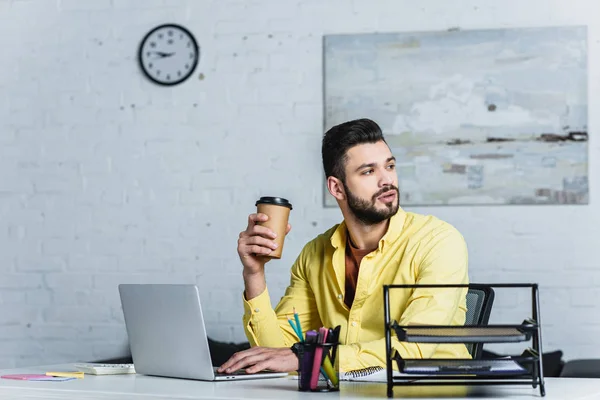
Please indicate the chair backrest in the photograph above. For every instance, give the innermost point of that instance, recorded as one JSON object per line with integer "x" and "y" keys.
{"x": 479, "y": 308}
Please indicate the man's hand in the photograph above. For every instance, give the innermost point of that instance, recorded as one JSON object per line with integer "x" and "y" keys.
{"x": 258, "y": 359}
{"x": 256, "y": 242}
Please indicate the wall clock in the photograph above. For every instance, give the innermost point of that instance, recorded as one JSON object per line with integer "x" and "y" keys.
{"x": 168, "y": 54}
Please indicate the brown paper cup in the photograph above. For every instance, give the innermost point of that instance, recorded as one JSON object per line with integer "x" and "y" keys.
{"x": 278, "y": 209}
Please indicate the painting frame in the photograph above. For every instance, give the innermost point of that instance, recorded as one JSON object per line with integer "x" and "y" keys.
{"x": 518, "y": 129}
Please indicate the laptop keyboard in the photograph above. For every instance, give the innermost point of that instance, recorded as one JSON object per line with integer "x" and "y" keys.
{"x": 238, "y": 372}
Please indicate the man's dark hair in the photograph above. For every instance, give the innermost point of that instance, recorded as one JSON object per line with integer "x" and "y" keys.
{"x": 339, "y": 139}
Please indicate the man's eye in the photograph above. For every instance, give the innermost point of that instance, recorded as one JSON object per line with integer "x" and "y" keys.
{"x": 392, "y": 166}
{"x": 367, "y": 172}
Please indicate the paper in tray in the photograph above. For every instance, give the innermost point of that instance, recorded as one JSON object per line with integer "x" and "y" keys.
{"x": 460, "y": 334}
{"x": 463, "y": 367}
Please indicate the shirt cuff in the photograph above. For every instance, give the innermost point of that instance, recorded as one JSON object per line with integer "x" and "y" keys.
{"x": 257, "y": 308}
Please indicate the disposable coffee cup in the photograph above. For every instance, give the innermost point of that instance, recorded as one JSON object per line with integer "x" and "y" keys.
{"x": 278, "y": 209}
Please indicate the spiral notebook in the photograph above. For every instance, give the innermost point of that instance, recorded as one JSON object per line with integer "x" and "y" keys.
{"x": 371, "y": 374}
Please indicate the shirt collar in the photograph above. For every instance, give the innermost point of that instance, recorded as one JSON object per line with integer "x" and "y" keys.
{"x": 394, "y": 229}
{"x": 338, "y": 239}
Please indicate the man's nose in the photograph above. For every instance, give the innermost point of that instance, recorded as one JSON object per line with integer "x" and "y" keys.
{"x": 387, "y": 178}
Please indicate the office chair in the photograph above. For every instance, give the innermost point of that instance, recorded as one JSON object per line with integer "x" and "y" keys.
{"x": 479, "y": 307}
{"x": 585, "y": 368}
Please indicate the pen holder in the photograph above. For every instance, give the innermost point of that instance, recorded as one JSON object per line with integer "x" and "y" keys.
{"x": 318, "y": 367}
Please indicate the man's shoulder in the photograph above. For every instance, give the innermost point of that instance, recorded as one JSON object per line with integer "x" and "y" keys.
{"x": 325, "y": 237}
{"x": 427, "y": 226}
{"x": 322, "y": 240}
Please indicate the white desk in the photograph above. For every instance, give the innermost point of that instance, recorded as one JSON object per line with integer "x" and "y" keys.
{"x": 145, "y": 387}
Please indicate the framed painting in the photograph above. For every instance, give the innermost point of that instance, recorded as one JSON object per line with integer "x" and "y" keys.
{"x": 472, "y": 117}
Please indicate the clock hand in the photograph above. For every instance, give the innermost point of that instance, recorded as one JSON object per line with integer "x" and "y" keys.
{"x": 163, "y": 55}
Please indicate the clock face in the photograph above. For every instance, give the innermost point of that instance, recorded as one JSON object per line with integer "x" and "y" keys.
{"x": 168, "y": 54}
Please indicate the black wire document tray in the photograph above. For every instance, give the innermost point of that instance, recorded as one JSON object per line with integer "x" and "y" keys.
{"x": 526, "y": 369}
{"x": 462, "y": 334}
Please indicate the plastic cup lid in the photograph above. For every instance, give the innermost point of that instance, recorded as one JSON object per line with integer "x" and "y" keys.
{"x": 278, "y": 201}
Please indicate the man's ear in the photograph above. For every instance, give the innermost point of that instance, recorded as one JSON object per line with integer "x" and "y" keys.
{"x": 336, "y": 188}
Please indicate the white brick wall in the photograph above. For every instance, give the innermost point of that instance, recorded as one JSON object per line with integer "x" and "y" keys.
{"x": 106, "y": 178}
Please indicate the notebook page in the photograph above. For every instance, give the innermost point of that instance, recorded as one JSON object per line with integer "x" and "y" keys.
{"x": 371, "y": 374}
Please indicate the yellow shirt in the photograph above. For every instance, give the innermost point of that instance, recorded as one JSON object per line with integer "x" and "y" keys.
{"x": 416, "y": 249}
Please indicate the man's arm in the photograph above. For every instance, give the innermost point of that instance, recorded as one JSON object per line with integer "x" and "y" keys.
{"x": 254, "y": 284}
{"x": 268, "y": 327}
{"x": 268, "y": 330}
{"x": 444, "y": 260}
{"x": 254, "y": 244}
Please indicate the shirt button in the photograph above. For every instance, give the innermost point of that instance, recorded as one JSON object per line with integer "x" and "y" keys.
{"x": 257, "y": 310}
{"x": 353, "y": 323}
{"x": 340, "y": 296}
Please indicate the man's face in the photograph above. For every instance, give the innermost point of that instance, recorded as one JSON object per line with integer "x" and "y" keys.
{"x": 371, "y": 183}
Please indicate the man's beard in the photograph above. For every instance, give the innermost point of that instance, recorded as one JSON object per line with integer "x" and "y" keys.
{"x": 366, "y": 212}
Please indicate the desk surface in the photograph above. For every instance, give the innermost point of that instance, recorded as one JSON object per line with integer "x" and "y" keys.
{"x": 146, "y": 387}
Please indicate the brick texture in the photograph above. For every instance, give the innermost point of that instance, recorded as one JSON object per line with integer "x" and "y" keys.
{"x": 106, "y": 178}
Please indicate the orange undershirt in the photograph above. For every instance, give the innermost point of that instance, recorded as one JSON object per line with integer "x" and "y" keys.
{"x": 353, "y": 258}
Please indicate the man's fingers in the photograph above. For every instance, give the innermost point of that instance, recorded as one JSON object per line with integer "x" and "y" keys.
{"x": 276, "y": 360}
{"x": 262, "y": 231}
{"x": 252, "y": 245}
{"x": 248, "y": 246}
{"x": 288, "y": 229}
{"x": 245, "y": 358}
{"x": 227, "y": 364}
{"x": 260, "y": 241}
{"x": 247, "y": 361}
{"x": 258, "y": 250}
{"x": 260, "y": 366}
{"x": 236, "y": 357}
{"x": 258, "y": 217}
{"x": 258, "y": 359}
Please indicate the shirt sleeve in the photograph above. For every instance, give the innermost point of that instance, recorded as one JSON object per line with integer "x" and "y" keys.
{"x": 444, "y": 260}
{"x": 268, "y": 327}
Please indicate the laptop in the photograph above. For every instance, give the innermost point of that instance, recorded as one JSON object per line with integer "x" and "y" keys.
{"x": 167, "y": 336}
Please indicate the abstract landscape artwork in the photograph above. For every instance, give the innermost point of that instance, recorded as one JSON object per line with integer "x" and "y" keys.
{"x": 472, "y": 117}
